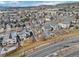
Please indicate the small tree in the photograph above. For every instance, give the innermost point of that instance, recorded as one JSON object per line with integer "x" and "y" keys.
{"x": 32, "y": 35}
{"x": 18, "y": 40}
{"x": 71, "y": 25}
{"x": 10, "y": 36}
{"x": 25, "y": 19}
{"x": 77, "y": 27}
{"x": 18, "y": 25}
{"x": 77, "y": 17}
{"x": 5, "y": 25}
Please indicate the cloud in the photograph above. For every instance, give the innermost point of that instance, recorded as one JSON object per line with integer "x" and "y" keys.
{"x": 28, "y": 3}
{"x": 2, "y": 2}
{"x": 11, "y": 2}
{"x": 48, "y": 3}
{"x": 14, "y": 2}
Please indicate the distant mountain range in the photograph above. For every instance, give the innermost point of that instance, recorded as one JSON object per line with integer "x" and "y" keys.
{"x": 42, "y": 6}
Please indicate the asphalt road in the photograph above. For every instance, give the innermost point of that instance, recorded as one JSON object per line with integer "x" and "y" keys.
{"x": 75, "y": 54}
{"x": 48, "y": 49}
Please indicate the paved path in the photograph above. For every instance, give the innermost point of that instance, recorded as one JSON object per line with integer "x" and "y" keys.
{"x": 46, "y": 50}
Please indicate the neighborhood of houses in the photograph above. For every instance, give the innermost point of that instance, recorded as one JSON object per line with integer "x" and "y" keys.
{"x": 17, "y": 25}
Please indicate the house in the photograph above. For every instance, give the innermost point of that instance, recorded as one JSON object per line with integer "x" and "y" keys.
{"x": 8, "y": 27}
{"x": 63, "y": 26}
{"x": 47, "y": 31}
{"x": 9, "y": 42}
{"x": 47, "y": 19}
{"x": 1, "y": 30}
{"x": 7, "y": 45}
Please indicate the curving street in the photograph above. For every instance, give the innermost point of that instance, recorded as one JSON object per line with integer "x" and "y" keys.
{"x": 48, "y": 49}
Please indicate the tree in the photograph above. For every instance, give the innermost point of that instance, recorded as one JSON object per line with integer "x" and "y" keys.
{"x": 44, "y": 32}
{"x": 32, "y": 35}
{"x": 18, "y": 40}
{"x": 5, "y": 25}
{"x": 11, "y": 25}
{"x": 25, "y": 19}
{"x": 33, "y": 31}
{"x": 77, "y": 27}
{"x": 1, "y": 39}
{"x": 18, "y": 25}
{"x": 23, "y": 25}
{"x": 71, "y": 25}
{"x": 10, "y": 36}
{"x": 77, "y": 17}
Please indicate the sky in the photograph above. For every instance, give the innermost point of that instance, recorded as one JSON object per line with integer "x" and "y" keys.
{"x": 29, "y": 3}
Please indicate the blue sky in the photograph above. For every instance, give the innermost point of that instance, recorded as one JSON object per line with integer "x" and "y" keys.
{"x": 29, "y": 3}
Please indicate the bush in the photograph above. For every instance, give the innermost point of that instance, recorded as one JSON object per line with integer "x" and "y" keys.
{"x": 25, "y": 19}
{"x": 77, "y": 27}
